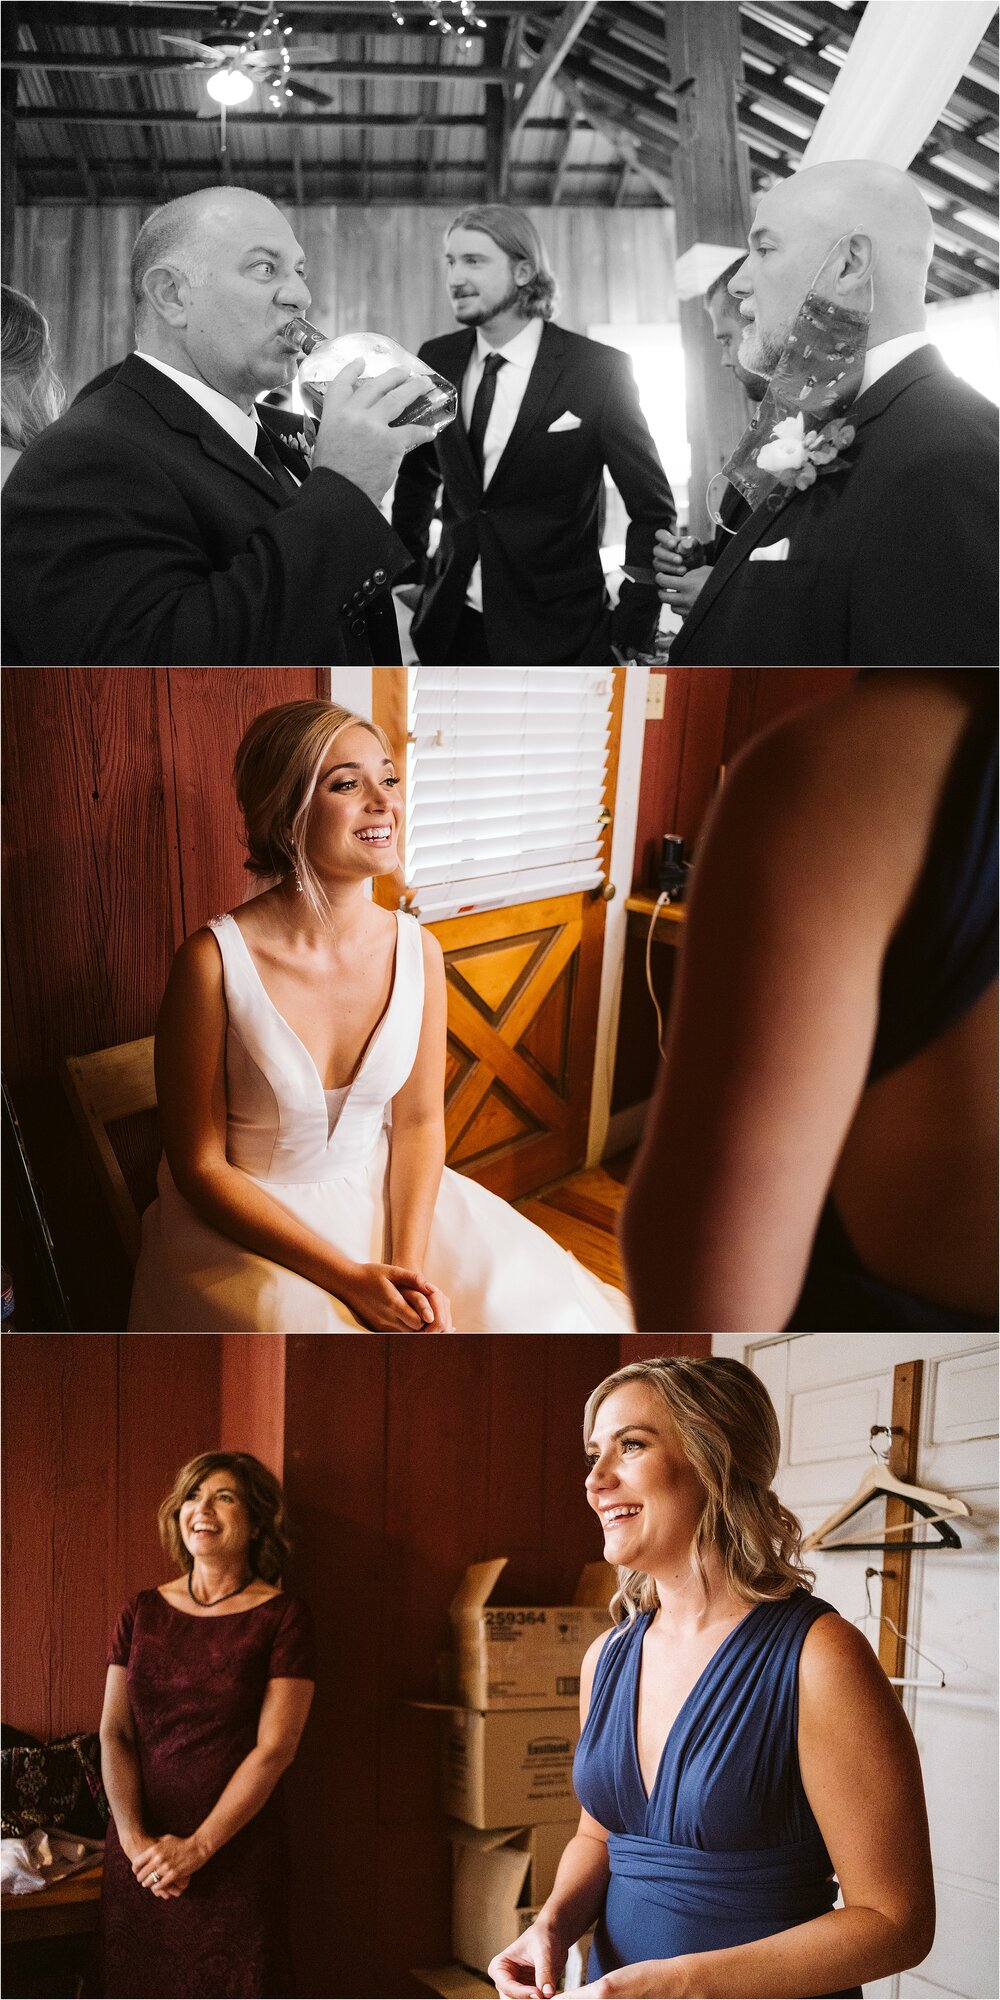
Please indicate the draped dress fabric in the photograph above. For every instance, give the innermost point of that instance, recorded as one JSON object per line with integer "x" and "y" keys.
{"x": 725, "y": 1850}
{"x": 195, "y": 1688}
{"x": 325, "y": 1157}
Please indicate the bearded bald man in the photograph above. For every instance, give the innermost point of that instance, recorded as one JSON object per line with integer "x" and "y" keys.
{"x": 889, "y": 559}
{"x": 164, "y": 518}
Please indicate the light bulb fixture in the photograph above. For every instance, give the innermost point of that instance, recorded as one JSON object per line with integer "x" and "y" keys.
{"x": 229, "y": 86}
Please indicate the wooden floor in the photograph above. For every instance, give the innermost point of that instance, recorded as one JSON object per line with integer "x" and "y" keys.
{"x": 581, "y": 1212}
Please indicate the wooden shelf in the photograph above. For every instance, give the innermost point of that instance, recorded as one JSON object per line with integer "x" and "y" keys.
{"x": 643, "y": 906}
{"x": 64, "y": 1910}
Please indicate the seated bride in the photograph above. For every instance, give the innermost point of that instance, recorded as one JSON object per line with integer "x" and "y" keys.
{"x": 300, "y": 1055}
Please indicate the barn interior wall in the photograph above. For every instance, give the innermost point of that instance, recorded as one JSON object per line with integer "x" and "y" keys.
{"x": 378, "y": 267}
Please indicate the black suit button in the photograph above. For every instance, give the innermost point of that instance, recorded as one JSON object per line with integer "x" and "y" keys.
{"x": 381, "y": 576}
{"x": 358, "y": 627}
{"x": 358, "y": 598}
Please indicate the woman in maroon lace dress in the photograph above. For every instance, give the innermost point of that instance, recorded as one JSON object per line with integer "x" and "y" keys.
{"x": 209, "y": 1683}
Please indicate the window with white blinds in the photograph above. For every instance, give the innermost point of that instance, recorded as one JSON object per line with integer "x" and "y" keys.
{"x": 505, "y": 776}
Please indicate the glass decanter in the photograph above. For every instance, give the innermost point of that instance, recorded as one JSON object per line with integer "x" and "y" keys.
{"x": 321, "y": 359}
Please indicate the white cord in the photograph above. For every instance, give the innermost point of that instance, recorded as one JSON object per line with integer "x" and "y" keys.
{"x": 662, "y": 898}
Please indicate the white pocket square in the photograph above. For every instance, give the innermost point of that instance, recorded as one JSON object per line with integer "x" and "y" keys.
{"x": 567, "y": 422}
{"x": 770, "y": 552}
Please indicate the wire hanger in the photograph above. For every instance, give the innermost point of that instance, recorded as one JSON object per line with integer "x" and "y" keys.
{"x": 878, "y": 1482}
{"x": 880, "y": 1619}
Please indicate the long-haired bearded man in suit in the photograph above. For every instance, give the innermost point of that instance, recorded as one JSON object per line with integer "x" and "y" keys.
{"x": 166, "y": 518}
{"x": 885, "y": 553}
{"x": 517, "y": 578}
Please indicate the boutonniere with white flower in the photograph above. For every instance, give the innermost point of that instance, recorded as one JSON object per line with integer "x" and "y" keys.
{"x": 303, "y": 440}
{"x": 795, "y": 456}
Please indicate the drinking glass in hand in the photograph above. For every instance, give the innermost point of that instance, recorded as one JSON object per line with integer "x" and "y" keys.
{"x": 322, "y": 359}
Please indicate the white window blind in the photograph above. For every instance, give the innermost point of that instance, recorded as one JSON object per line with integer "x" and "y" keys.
{"x": 504, "y": 784}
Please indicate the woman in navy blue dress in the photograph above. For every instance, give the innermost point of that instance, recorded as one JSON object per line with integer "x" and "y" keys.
{"x": 742, "y": 1754}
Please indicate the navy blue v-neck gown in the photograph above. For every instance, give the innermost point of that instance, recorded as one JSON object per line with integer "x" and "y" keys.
{"x": 725, "y": 1850}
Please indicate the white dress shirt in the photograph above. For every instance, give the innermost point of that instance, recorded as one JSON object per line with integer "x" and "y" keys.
{"x": 887, "y": 353}
{"x": 519, "y": 354}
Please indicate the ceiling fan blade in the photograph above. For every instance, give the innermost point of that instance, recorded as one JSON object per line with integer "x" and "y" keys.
{"x": 306, "y": 90}
{"x": 199, "y": 49}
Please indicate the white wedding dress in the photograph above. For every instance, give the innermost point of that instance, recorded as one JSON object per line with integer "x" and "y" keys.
{"x": 325, "y": 1157}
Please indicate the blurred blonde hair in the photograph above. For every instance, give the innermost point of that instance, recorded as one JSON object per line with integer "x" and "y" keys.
{"x": 727, "y": 1428}
{"x": 277, "y": 767}
{"x": 32, "y": 395}
{"x": 270, "y": 1544}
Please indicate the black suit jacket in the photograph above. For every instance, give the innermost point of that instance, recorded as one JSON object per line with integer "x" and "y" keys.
{"x": 892, "y": 560}
{"x": 138, "y": 532}
{"x": 535, "y": 529}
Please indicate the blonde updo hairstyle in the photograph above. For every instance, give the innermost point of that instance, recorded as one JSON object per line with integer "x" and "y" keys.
{"x": 728, "y": 1431}
{"x": 270, "y": 1543}
{"x": 276, "y": 772}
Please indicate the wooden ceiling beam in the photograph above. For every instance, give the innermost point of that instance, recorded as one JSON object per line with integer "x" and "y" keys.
{"x": 553, "y": 52}
{"x": 618, "y": 136}
{"x": 344, "y": 120}
{"x": 559, "y": 180}
{"x": 136, "y": 65}
{"x": 313, "y": 17}
{"x": 498, "y": 120}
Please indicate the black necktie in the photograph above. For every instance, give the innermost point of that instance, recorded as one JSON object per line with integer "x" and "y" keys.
{"x": 482, "y": 406}
{"x": 266, "y": 453}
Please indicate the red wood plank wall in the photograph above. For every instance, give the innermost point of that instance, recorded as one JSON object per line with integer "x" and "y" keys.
{"x": 709, "y": 713}
{"x": 120, "y": 838}
{"x": 94, "y": 1429}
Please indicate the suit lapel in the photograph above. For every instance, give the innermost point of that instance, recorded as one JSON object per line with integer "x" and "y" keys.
{"x": 867, "y": 409}
{"x": 548, "y": 366}
{"x": 876, "y": 400}
{"x": 737, "y": 549}
{"x": 182, "y": 413}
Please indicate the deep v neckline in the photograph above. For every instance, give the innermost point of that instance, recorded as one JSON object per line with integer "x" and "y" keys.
{"x": 649, "y": 1796}
{"x": 372, "y": 1039}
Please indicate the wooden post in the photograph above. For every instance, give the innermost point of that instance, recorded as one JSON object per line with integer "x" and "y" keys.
{"x": 497, "y": 118}
{"x": 906, "y": 1386}
{"x": 8, "y": 145}
{"x": 712, "y": 203}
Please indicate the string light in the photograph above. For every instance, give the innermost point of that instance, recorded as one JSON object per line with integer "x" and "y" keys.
{"x": 462, "y": 21}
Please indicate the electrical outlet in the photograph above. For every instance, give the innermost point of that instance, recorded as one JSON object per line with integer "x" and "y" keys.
{"x": 656, "y": 694}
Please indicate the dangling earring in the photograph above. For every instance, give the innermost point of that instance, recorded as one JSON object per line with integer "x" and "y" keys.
{"x": 298, "y": 883}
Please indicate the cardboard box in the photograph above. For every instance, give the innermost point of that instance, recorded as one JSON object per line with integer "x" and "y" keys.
{"x": 501, "y": 1879}
{"x": 509, "y": 1769}
{"x": 525, "y": 1656}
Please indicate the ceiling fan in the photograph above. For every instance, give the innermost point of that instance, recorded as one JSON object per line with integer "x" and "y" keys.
{"x": 235, "y": 59}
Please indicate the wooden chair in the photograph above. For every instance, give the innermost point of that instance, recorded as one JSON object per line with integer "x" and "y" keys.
{"x": 102, "y": 1087}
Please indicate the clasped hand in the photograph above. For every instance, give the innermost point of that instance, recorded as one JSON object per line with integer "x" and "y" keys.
{"x": 171, "y": 1861}
{"x": 531, "y": 1967}
{"x": 388, "y": 1298}
{"x": 355, "y": 437}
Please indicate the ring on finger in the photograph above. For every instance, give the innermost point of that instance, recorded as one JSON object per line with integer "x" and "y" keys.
{"x": 154, "y": 1878}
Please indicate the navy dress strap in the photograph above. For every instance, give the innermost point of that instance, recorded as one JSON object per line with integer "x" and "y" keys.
{"x": 725, "y": 1850}
{"x": 944, "y": 953}
{"x": 941, "y": 959}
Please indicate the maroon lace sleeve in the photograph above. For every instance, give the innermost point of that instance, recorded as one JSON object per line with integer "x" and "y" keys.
{"x": 121, "y": 1638}
{"x": 293, "y": 1650}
